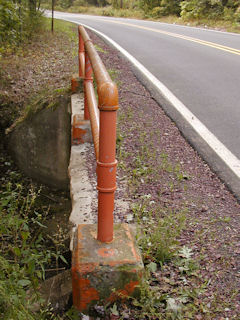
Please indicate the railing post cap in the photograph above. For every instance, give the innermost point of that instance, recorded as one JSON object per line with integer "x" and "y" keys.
{"x": 108, "y": 96}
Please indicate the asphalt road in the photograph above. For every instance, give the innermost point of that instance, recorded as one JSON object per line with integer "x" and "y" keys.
{"x": 201, "y": 68}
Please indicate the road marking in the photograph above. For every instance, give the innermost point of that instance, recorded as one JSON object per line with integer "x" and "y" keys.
{"x": 176, "y": 35}
{"x": 225, "y": 154}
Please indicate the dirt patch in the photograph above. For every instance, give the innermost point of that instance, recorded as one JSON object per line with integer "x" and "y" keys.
{"x": 42, "y": 65}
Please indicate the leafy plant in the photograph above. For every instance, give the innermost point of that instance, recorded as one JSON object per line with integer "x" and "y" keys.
{"x": 23, "y": 253}
{"x": 157, "y": 237}
{"x": 18, "y": 22}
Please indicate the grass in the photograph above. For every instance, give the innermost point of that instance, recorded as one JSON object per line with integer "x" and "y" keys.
{"x": 37, "y": 63}
{"x": 157, "y": 232}
{"x": 27, "y": 251}
{"x": 23, "y": 252}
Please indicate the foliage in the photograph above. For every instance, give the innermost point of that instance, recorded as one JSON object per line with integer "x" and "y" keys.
{"x": 25, "y": 254}
{"x": 18, "y": 22}
{"x": 212, "y": 9}
{"x": 228, "y": 10}
{"x": 10, "y": 22}
{"x": 199, "y": 9}
{"x": 157, "y": 237}
{"x": 29, "y": 251}
{"x": 158, "y": 8}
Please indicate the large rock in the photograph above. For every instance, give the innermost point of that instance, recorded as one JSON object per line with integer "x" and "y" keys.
{"x": 40, "y": 144}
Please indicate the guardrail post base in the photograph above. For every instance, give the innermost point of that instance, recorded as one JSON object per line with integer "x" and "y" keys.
{"x": 81, "y": 130}
{"x": 104, "y": 272}
{"x": 76, "y": 83}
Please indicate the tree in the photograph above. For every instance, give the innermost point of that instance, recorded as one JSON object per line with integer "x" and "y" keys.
{"x": 195, "y": 9}
{"x": 18, "y": 21}
{"x": 161, "y": 7}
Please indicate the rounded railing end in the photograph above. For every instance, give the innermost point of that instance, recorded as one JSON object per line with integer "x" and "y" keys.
{"x": 108, "y": 96}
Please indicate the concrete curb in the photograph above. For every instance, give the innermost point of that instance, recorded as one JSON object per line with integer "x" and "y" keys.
{"x": 81, "y": 190}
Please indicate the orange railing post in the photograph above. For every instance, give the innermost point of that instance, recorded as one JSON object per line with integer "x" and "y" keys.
{"x": 87, "y": 78}
{"x": 103, "y": 123}
{"x": 107, "y": 164}
{"x": 81, "y": 55}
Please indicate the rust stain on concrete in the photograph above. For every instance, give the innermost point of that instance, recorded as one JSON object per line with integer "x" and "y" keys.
{"x": 88, "y": 294}
{"x": 131, "y": 243}
{"x": 125, "y": 292}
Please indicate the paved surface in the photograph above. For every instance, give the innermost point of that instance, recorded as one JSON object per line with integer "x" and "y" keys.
{"x": 201, "y": 68}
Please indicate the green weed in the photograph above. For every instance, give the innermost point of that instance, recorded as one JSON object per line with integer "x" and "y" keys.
{"x": 158, "y": 240}
{"x": 99, "y": 49}
{"x": 24, "y": 256}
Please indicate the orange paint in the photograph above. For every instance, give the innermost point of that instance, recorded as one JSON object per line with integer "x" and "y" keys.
{"x": 125, "y": 292}
{"x": 88, "y": 294}
{"x": 87, "y": 268}
{"x": 87, "y": 78}
{"x": 131, "y": 243}
{"x": 79, "y": 232}
{"x": 104, "y": 132}
{"x": 81, "y": 56}
{"x": 77, "y": 132}
{"x": 74, "y": 85}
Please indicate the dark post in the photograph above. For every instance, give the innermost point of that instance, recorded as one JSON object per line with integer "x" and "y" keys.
{"x": 53, "y": 2}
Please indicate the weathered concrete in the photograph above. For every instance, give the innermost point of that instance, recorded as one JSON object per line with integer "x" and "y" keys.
{"x": 40, "y": 145}
{"x": 81, "y": 189}
{"x": 101, "y": 272}
{"x": 81, "y": 129}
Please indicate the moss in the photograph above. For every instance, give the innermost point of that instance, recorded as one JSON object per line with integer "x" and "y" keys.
{"x": 44, "y": 100}
{"x": 128, "y": 268}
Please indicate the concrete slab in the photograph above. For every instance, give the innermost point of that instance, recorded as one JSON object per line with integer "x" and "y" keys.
{"x": 102, "y": 272}
{"x": 77, "y": 103}
{"x": 81, "y": 189}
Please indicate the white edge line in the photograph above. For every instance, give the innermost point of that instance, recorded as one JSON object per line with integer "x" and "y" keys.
{"x": 226, "y": 155}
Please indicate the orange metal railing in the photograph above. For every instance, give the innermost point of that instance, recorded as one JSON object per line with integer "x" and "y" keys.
{"x": 103, "y": 118}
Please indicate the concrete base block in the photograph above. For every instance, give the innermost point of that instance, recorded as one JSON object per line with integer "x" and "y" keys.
{"x": 103, "y": 273}
{"x": 81, "y": 130}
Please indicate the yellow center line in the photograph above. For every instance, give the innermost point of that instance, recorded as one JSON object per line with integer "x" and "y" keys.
{"x": 176, "y": 35}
